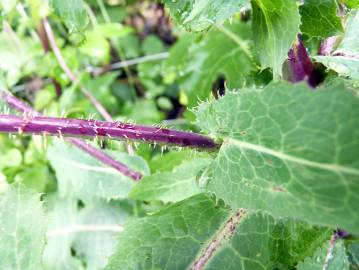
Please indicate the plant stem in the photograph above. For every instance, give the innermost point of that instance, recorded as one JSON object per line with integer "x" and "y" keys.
{"x": 92, "y": 151}
{"x": 73, "y": 78}
{"x": 102, "y": 129}
{"x": 70, "y": 74}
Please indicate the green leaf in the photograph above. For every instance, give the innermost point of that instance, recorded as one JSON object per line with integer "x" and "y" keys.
{"x": 198, "y": 234}
{"x": 353, "y": 253}
{"x": 275, "y": 27}
{"x": 331, "y": 256}
{"x": 72, "y": 12}
{"x": 62, "y": 214}
{"x": 22, "y": 229}
{"x": 345, "y": 59}
{"x": 200, "y": 65}
{"x": 288, "y": 150}
{"x": 89, "y": 231}
{"x": 172, "y": 186}
{"x": 320, "y": 19}
{"x": 197, "y": 15}
{"x": 82, "y": 176}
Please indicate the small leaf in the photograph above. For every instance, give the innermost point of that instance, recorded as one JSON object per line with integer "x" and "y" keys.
{"x": 22, "y": 229}
{"x": 275, "y": 28}
{"x": 320, "y": 19}
{"x": 197, "y": 15}
{"x": 72, "y": 12}
{"x": 171, "y": 186}
{"x": 288, "y": 150}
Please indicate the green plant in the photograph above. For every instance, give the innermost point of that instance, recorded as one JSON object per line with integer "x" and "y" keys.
{"x": 230, "y": 137}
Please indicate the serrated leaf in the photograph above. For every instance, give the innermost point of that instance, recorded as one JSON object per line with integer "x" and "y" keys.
{"x": 275, "y": 28}
{"x": 331, "y": 256}
{"x": 172, "y": 186}
{"x": 320, "y": 19}
{"x": 288, "y": 150}
{"x": 22, "y": 229}
{"x": 200, "y": 65}
{"x": 72, "y": 12}
{"x": 345, "y": 59}
{"x": 198, "y": 234}
{"x": 82, "y": 176}
{"x": 197, "y": 15}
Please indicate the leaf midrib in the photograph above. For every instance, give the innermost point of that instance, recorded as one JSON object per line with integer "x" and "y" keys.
{"x": 283, "y": 156}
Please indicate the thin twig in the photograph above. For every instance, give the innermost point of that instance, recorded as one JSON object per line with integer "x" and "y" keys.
{"x": 92, "y": 151}
{"x": 70, "y": 74}
{"x": 128, "y": 63}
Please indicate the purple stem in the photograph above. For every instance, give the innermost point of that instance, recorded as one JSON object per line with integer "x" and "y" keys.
{"x": 94, "y": 128}
{"x": 301, "y": 65}
{"x": 92, "y": 151}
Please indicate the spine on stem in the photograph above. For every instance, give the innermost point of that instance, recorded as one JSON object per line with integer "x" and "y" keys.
{"x": 102, "y": 129}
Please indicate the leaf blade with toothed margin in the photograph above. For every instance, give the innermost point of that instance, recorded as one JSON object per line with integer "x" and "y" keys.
{"x": 82, "y": 176}
{"x": 197, "y": 233}
{"x": 275, "y": 27}
{"x": 198, "y": 15}
{"x": 22, "y": 229}
{"x": 279, "y": 153}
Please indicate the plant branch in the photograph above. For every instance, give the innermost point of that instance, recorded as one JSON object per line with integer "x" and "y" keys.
{"x": 92, "y": 151}
{"x": 102, "y": 129}
{"x": 70, "y": 74}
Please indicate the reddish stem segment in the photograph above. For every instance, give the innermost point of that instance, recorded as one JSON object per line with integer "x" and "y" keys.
{"x": 92, "y": 151}
{"x": 94, "y": 128}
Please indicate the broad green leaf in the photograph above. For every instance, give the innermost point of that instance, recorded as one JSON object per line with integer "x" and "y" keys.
{"x": 345, "y": 59}
{"x": 72, "y": 12}
{"x": 198, "y": 234}
{"x": 275, "y": 27}
{"x": 350, "y": 3}
{"x": 197, "y": 15}
{"x": 200, "y": 65}
{"x": 82, "y": 176}
{"x": 172, "y": 186}
{"x": 331, "y": 256}
{"x": 89, "y": 231}
{"x": 22, "y": 229}
{"x": 62, "y": 214}
{"x": 320, "y": 19}
{"x": 288, "y": 150}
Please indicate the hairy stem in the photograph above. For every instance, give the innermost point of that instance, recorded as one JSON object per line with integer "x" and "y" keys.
{"x": 73, "y": 78}
{"x": 102, "y": 129}
{"x": 92, "y": 151}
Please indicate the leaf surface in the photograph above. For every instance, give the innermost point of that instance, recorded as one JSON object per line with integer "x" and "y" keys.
{"x": 22, "y": 229}
{"x": 72, "y": 12}
{"x": 197, "y": 15}
{"x": 82, "y": 176}
{"x": 320, "y": 19}
{"x": 275, "y": 27}
{"x": 198, "y": 234}
{"x": 288, "y": 150}
{"x": 172, "y": 186}
{"x": 329, "y": 257}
